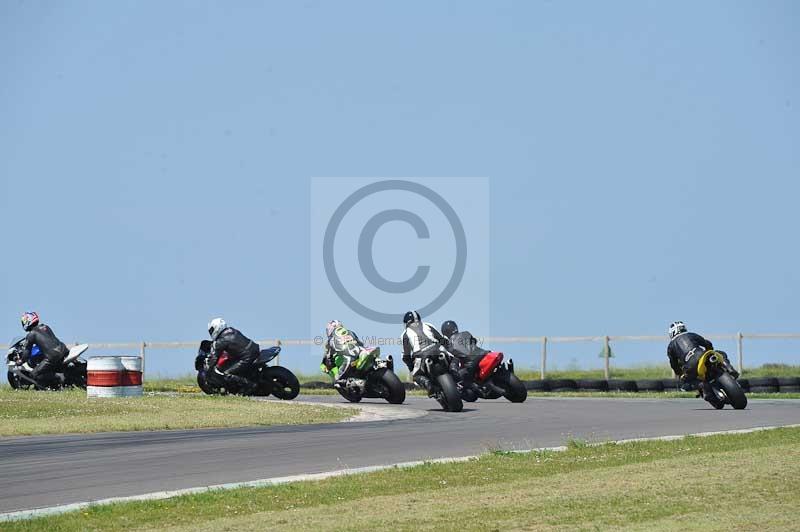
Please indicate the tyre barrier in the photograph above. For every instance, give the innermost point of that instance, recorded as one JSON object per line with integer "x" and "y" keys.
{"x": 622, "y": 385}
{"x": 764, "y": 385}
{"x": 592, "y": 385}
{"x": 317, "y": 385}
{"x": 789, "y": 384}
{"x": 650, "y": 385}
{"x": 537, "y": 386}
{"x": 563, "y": 385}
{"x": 756, "y": 384}
{"x": 670, "y": 385}
{"x": 119, "y": 376}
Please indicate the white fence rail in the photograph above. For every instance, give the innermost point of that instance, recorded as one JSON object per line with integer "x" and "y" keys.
{"x": 539, "y": 343}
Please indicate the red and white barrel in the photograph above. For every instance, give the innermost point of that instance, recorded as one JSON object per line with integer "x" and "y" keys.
{"x": 114, "y": 377}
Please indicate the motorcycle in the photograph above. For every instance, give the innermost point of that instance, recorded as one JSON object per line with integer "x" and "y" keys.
{"x": 70, "y": 373}
{"x": 719, "y": 377}
{"x": 493, "y": 379}
{"x": 270, "y": 380}
{"x": 369, "y": 376}
{"x": 433, "y": 363}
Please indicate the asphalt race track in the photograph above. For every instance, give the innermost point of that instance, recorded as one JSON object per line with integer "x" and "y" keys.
{"x": 46, "y": 471}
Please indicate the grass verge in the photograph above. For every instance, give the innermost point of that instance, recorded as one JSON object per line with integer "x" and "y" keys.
{"x": 730, "y": 482}
{"x": 25, "y": 412}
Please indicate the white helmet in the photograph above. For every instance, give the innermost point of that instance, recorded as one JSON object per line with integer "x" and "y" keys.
{"x": 332, "y": 326}
{"x": 215, "y": 327}
{"x": 676, "y": 328}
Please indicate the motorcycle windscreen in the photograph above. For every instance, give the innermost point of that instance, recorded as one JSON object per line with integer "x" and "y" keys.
{"x": 15, "y": 341}
{"x": 488, "y": 364}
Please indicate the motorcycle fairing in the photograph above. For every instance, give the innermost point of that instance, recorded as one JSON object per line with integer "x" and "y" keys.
{"x": 488, "y": 364}
{"x": 267, "y": 355}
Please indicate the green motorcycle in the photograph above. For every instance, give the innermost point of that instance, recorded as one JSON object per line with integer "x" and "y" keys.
{"x": 366, "y": 375}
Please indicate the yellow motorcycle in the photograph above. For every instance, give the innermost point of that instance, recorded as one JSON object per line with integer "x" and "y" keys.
{"x": 720, "y": 386}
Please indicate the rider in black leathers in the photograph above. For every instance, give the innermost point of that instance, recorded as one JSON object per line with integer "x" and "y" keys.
{"x": 53, "y": 349}
{"x": 466, "y": 353}
{"x": 684, "y": 352}
{"x": 241, "y": 350}
{"x": 419, "y": 336}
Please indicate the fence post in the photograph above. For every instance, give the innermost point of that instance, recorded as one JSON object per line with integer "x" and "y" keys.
{"x": 543, "y": 366}
{"x": 739, "y": 352}
{"x": 142, "y": 355}
{"x": 606, "y": 354}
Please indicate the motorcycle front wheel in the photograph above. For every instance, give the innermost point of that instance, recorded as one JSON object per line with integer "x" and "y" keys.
{"x": 449, "y": 397}
{"x": 352, "y": 397}
{"x": 515, "y": 390}
{"x": 13, "y": 381}
{"x": 202, "y": 383}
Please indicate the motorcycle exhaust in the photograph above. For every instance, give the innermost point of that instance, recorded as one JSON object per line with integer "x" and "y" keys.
{"x": 18, "y": 373}
{"x": 496, "y": 389}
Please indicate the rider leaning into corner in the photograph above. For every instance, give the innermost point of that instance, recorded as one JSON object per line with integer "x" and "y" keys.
{"x": 684, "y": 352}
{"x": 466, "y": 353}
{"x": 241, "y": 350}
{"x": 54, "y": 350}
{"x": 343, "y": 342}
{"x": 419, "y": 336}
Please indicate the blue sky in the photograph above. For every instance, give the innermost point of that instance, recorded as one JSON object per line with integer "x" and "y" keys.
{"x": 156, "y": 157}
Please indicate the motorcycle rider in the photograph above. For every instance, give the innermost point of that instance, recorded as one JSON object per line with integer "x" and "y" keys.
{"x": 53, "y": 349}
{"x": 684, "y": 351}
{"x": 466, "y": 353}
{"x": 419, "y": 336}
{"x": 242, "y": 350}
{"x": 340, "y": 341}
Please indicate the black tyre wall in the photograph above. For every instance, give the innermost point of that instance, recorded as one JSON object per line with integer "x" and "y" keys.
{"x": 621, "y": 385}
{"x": 789, "y": 384}
{"x": 592, "y": 385}
{"x": 650, "y": 385}
{"x": 763, "y": 385}
{"x": 563, "y": 385}
{"x": 670, "y": 385}
{"x": 538, "y": 385}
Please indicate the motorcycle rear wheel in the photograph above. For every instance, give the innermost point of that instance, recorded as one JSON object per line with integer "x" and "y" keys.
{"x": 283, "y": 383}
{"x": 515, "y": 390}
{"x": 395, "y": 391}
{"x": 449, "y": 397}
{"x": 202, "y": 383}
{"x": 733, "y": 391}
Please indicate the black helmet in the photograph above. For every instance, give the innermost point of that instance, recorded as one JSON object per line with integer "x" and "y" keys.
{"x": 411, "y": 316}
{"x": 449, "y": 328}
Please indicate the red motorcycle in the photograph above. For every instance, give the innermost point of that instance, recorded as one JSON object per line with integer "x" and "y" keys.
{"x": 493, "y": 379}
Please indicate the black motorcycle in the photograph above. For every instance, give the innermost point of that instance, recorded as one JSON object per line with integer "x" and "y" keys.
{"x": 434, "y": 364}
{"x": 270, "y": 380}
{"x": 71, "y": 372}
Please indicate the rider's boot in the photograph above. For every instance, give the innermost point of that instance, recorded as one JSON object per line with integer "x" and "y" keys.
{"x": 245, "y": 386}
{"x": 423, "y": 382}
